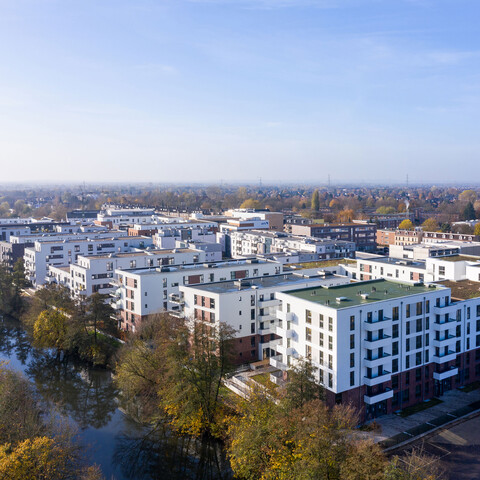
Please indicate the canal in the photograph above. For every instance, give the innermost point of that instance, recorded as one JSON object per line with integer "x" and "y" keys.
{"x": 88, "y": 399}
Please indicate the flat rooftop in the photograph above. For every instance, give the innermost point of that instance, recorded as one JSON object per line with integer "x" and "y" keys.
{"x": 267, "y": 281}
{"x": 463, "y": 290}
{"x": 377, "y": 290}
{"x": 395, "y": 261}
{"x": 460, "y": 258}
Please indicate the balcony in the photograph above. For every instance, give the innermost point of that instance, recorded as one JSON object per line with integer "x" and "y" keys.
{"x": 375, "y": 380}
{"x": 379, "y": 342}
{"x": 277, "y": 362}
{"x": 449, "y": 372}
{"x": 267, "y": 330}
{"x": 375, "y": 362}
{"x": 271, "y": 302}
{"x": 284, "y": 332}
{"x": 267, "y": 317}
{"x": 447, "y": 341}
{"x": 444, "y": 357}
{"x": 378, "y": 397}
{"x": 285, "y": 316}
{"x": 373, "y": 325}
{"x": 284, "y": 350}
{"x": 177, "y": 299}
{"x": 443, "y": 325}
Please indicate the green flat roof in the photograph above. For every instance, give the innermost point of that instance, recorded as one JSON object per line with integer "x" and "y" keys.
{"x": 377, "y": 290}
{"x": 459, "y": 258}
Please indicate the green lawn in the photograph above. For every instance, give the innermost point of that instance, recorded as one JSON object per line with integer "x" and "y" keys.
{"x": 264, "y": 379}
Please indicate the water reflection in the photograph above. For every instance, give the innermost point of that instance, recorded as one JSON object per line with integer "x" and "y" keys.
{"x": 158, "y": 454}
{"x": 123, "y": 448}
{"x": 86, "y": 395}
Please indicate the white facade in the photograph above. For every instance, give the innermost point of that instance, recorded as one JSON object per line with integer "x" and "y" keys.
{"x": 95, "y": 273}
{"x": 161, "y": 285}
{"x": 47, "y": 253}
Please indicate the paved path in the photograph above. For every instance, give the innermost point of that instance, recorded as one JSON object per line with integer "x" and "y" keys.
{"x": 455, "y": 404}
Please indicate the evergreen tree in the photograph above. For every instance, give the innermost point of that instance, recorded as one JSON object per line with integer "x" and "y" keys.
{"x": 469, "y": 212}
{"x": 316, "y": 201}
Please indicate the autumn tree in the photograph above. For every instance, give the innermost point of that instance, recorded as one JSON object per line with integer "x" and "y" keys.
{"x": 469, "y": 212}
{"x": 345, "y": 215}
{"x": 430, "y": 225}
{"x": 50, "y": 329}
{"x": 406, "y": 225}
{"x": 251, "y": 203}
{"x": 477, "y": 229}
{"x": 315, "y": 202}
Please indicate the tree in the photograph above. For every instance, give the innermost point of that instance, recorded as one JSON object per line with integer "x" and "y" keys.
{"x": 430, "y": 225}
{"x": 97, "y": 314}
{"x": 406, "y": 225}
{"x": 385, "y": 210}
{"x": 315, "y": 203}
{"x": 50, "y": 329}
{"x": 467, "y": 196}
{"x": 469, "y": 212}
{"x": 476, "y": 231}
{"x": 251, "y": 203}
{"x": 197, "y": 364}
{"x": 345, "y": 215}
{"x": 302, "y": 386}
{"x": 415, "y": 465}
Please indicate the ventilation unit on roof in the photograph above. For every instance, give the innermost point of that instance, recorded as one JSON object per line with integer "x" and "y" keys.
{"x": 364, "y": 296}
{"x": 341, "y": 299}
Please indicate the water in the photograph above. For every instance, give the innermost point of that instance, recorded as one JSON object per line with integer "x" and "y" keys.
{"x": 88, "y": 398}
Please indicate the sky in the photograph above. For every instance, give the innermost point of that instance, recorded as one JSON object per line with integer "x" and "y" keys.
{"x": 238, "y": 90}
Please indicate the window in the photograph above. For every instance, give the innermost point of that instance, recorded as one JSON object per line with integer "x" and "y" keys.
{"x": 427, "y": 323}
{"x": 395, "y": 382}
{"x": 395, "y": 365}
{"x": 407, "y": 362}
{"x": 352, "y": 379}
{"x": 308, "y": 334}
{"x": 407, "y": 345}
{"x": 418, "y": 341}
{"x": 308, "y": 316}
{"x": 408, "y": 310}
{"x": 407, "y": 328}
{"x": 419, "y": 325}
{"x": 419, "y": 308}
{"x": 418, "y": 390}
{"x": 252, "y": 313}
{"x": 321, "y": 340}
{"x": 330, "y": 342}
{"x": 427, "y": 306}
{"x": 330, "y": 362}
{"x": 395, "y": 348}
{"x": 418, "y": 358}
{"x": 369, "y": 317}
{"x": 330, "y": 380}
{"x": 395, "y": 331}
{"x": 252, "y": 328}
{"x": 441, "y": 270}
{"x": 321, "y": 321}
{"x": 352, "y": 341}
{"x": 352, "y": 322}
{"x": 352, "y": 360}
{"x": 330, "y": 324}
{"x": 427, "y": 339}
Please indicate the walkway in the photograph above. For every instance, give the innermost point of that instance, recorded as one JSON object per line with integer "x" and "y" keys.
{"x": 395, "y": 430}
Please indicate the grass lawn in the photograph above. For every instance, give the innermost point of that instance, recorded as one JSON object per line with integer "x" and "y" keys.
{"x": 322, "y": 263}
{"x": 406, "y": 412}
{"x": 264, "y": 379}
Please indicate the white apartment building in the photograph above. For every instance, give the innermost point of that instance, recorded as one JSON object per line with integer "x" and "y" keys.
{"x": 381, "y": 345}
{"x": 116, "y": 217}
{"x": 48, "y": 252}
{"x": 433, "y": 269}
{"x": 144, "y": 292}
{"x": 167, "y": 236}
{"x": 257, "y": 242}
{"x": 249, "y": 307}
{"x": 95, "y": 273}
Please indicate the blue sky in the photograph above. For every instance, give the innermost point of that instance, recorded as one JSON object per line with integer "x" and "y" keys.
{"x": 203, "y": 90}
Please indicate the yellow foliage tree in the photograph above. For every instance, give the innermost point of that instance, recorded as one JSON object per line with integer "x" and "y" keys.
{"x": 406, "y": 225}
{"x": 345, "y": 215}
{"x": 50, "y": 329}
{"x": 37, "y": 458}
{"x": 251, "y": 203}
{"x": 477, "y": 229}
{"x": 430, "y": 225}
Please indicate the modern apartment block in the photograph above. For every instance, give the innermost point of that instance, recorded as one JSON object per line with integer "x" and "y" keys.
{"x": 362, "y": 234}
{"x": 95, "y": 273}
{"x": 144, "y": 292}
{"x": 411, "y": 237}
{"x": 275, "y": 219}
{"x": 259, "y": 242}
{"x": 249, "y": 307}
{"x": 48, "y": 252}
{"x": 381, "y": 345}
